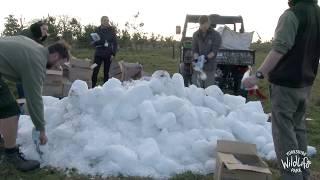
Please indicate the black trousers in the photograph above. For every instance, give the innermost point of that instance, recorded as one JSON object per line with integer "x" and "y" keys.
{"x": 106, "y": 60}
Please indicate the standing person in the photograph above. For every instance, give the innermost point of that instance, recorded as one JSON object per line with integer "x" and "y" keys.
{"x": 23, "y": 60}
{"x": 37, "y": 31}
{"x": 106, "y": 49}
{"x": 291, "y": 67}
{"x": 206, "y": 41}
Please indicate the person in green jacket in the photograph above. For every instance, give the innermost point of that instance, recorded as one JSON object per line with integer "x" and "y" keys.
{"x": 291, "y": 68}
{"x": 24, "y": 60}
{"x": 38, "y": 32}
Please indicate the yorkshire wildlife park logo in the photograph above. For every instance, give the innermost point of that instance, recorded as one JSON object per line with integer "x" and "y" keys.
{"x": 295, "y": 161}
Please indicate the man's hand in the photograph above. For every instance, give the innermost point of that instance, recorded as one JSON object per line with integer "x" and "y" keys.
{"x": 250, "y": 82}
{"x": 195, "y": 56}
{"x": 43, "y": 138}
{"x": 210, "y": 55}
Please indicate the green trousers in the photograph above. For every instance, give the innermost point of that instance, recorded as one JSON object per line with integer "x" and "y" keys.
{"x": 289, "y": 128}
{"x": 8, "y": 104}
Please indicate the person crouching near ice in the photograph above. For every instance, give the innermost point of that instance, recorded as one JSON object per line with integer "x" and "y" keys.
{"x": 24, "y": 60}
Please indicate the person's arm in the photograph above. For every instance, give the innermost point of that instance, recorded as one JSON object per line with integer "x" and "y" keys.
{"x": 195, "y": 46}
{"x": 284, "y": 39}
{"x": 285, "y": 33}
{"x": 32, "y": 82}
{"x": 100, "y": 42}
{"x": 270, "y": 62}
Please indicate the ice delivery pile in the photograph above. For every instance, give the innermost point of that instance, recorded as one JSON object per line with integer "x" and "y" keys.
{"x": 152, "y": 128}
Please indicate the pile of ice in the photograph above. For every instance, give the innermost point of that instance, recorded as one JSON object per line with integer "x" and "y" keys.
{"x": 145, "y": 128}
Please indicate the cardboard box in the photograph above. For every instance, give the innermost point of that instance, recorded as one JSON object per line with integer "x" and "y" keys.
{"x": 80, "y": 63}
{"x": 115, "y": 70}
{"x": 239, "y": 161}
{"x": 53, "y": 77}
{"x": 84, "y": 74}
{"x": 54, "y": 90}
{"x": 130, "y": 71}
{"x": 78, "y": 69}
{"x": 52, "y": 85}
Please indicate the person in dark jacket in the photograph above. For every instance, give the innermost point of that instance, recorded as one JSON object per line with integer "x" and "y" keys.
{"x": 106, "y": 49}
{"x": 291, "y": 68}
{"x": 37, "y": 31}
{"x": 206, "y": 41}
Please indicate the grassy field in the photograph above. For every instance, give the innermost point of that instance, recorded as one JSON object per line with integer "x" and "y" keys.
{"x": 156, "y": 59}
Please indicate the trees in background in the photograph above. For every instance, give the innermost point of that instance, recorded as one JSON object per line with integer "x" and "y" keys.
{"x": 12, "y": 26}
{"x": 53, "y": 29}
{"x": 71, "y": 30}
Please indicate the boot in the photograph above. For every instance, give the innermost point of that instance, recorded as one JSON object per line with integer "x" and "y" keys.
{"x": 16, "y": 158}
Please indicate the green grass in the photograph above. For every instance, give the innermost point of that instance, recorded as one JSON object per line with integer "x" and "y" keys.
{"x": 151, "y": 59}
{"x": 156, "y": 59}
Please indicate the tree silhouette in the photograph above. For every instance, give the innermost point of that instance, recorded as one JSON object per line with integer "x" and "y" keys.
{"x": 71, "y": 30}
{"x": 12, "y": 26}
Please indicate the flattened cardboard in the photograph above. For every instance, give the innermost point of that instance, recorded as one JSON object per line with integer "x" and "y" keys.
{"x": 234, "y": 147}
{"x": 232, "y": 163}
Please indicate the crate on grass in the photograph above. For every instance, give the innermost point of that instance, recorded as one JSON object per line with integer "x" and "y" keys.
{"x": 52, "y": 85}
{"x": 80, "y": 69}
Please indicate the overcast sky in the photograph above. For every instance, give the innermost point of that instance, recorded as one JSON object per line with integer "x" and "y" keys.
{"x": 159, "y": 16}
